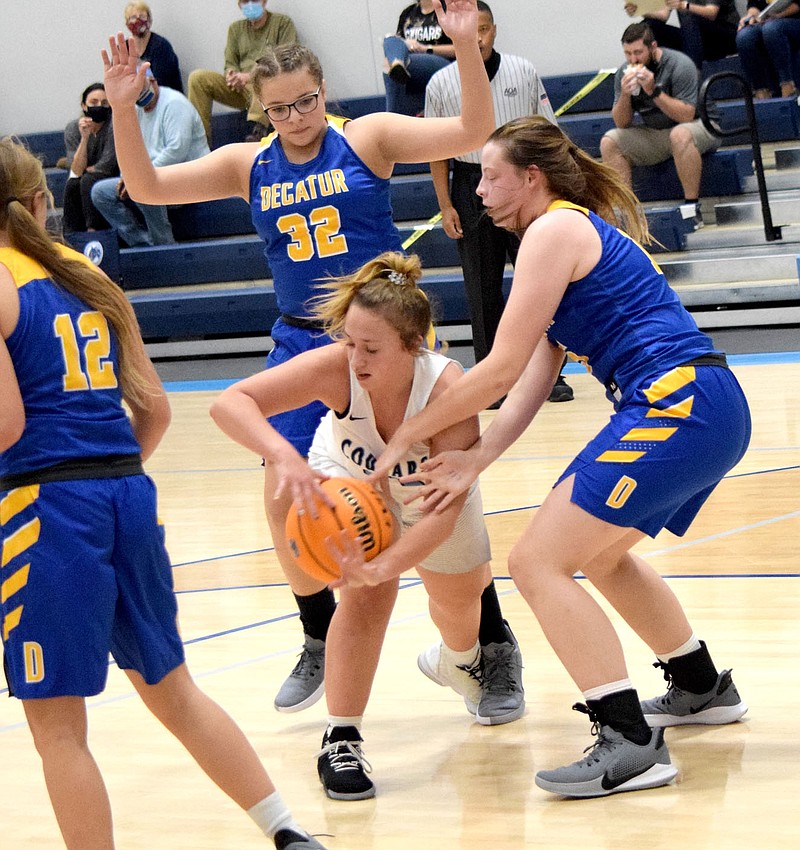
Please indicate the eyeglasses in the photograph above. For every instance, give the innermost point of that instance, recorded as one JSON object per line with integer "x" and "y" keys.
{"x": 303, "y": 105}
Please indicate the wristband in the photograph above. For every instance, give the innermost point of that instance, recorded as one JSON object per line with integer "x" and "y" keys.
{"x": 656, "y": 92}
{"x": 429, "y": 50}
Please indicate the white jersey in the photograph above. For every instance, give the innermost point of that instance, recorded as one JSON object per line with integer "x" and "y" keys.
{"x": 349, "y": 444}
{"x": 517, "y": 91}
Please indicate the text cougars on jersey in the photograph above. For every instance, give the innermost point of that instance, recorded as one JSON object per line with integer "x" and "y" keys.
{"x": 364, "y": 458}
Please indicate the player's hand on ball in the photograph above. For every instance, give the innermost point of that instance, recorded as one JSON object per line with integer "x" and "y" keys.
{"x": 298, "y": 480}
{"x": 349, "y": 556}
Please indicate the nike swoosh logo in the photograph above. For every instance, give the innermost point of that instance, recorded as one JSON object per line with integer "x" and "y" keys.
{"x": 696, "y": 709}
{"x": 609, "y": 783}
{"x": 357, "y": 418}
{"x": 264, "y": 162}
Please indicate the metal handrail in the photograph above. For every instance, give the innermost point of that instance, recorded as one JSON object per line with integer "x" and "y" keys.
{"x": 771, "y": 231}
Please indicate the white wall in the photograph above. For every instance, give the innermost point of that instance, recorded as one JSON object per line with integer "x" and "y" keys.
{"x": 50, "y": 50}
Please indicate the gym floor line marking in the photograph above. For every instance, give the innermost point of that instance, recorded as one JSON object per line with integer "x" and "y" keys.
{"x": 501, "y": 511}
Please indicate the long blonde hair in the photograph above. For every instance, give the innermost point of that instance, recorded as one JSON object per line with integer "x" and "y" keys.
{"x": 21, "y": 179}
{"x": 572, "y": 174}
{"x": 389, "y": 286}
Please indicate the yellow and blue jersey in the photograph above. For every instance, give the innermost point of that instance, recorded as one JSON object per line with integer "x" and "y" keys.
{"x": 84, "y": 569}
{"x": 623, "y": 321}
{"x": 681, "y": 421}
{"x": 65, "y": 358}
{"x": 322, "y": 218}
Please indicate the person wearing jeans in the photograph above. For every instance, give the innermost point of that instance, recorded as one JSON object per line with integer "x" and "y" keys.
{"x": 769, "y": 49}
{"x": 173, "y": 132}
{"x": 418, "y": 49}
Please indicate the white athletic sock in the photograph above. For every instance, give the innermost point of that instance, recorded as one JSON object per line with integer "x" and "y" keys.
{"x": 467, "y": 658}
{"x": 334, "y": 720}
{"x": 606, "y": 690}
{"x": 271, "y": 815}
{"x": 684, "y": 649}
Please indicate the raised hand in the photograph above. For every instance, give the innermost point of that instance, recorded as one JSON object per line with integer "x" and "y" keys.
{"x": 124, "y": 77}
{"x": 460, "y": 20}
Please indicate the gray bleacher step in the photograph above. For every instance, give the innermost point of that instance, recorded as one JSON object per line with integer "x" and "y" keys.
{"x": 776, "y": 180}
{"x": 721, "y": 295}
{"x": 732, "y": 266}
{"x": 748, "y": 236}
{"x": 787, "y": 158}
{"x": 784, "y": 208}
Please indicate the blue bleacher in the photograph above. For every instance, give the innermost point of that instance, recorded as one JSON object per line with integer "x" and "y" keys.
{"x": 217, "y": 241}
{"x": 724, "y": 173}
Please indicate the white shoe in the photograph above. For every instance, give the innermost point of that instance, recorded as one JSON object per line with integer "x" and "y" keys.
{"x": 464, "y": 679}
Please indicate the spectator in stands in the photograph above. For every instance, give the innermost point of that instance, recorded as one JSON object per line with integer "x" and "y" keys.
{"x": 767, "y": 49}
{"x": 662, "y": 85}
{"x": 484, "y": 247}
{"x": 89, "y": 142}
{"x": 707, "y": 27}
{"x": 246, "y": 44}
{"x": 417, "y": 50}
{"x": 152, "y": 47}
{"x": 172, "y": 132}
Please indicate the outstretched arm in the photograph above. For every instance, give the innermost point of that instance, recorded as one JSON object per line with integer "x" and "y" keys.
{"x": 220, "y": 174}
{"x": 384, "y": 138}
{"x": 241, "y": 411}
{"x": 451, "y": 473}
{"x": 554, "y": 247}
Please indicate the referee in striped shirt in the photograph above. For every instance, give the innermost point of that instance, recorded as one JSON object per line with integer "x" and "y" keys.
{"x": 483, "y": 247}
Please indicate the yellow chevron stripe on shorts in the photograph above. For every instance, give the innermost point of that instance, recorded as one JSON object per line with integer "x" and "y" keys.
{"x": 682, "y": 410}
{"x": 618, "y": 456}
{"x": 20, "y": 540}
{"x": 667, "y": 384}
{"x": 652, "y": 435}
{"x": 16, "y": 501}
{"x": 11, "y": 621}
{"x": 14, "y": 582}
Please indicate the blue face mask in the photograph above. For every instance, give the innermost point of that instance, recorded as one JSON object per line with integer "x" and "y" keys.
{"x": 145, "y": 98}
{"x": 252, "y": 11}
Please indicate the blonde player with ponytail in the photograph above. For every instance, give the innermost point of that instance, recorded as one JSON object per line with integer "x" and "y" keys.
{"x": 376, "y": 376}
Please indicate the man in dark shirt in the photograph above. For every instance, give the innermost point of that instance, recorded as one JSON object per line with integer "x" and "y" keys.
{"x": 662, "y": 85}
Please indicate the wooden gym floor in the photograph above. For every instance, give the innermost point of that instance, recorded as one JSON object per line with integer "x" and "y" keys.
{"x": 444, "y": 781}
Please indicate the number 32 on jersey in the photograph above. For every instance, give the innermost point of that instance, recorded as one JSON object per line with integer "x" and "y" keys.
{"x": 318, "y": 232}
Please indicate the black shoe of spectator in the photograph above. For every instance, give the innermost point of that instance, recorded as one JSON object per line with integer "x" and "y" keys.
{"x": 399, "y": 73}
{"x": 561, "y": 391}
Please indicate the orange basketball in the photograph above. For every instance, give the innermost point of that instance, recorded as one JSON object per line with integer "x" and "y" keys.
{"x": 359, "y": 508}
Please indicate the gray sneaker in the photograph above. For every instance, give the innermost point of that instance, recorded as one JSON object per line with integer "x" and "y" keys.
{"x": 612, "y": 764}
{"x": 306, "y": 683}
{"x": 288, "y": 839}
{"x": 502, "y": 693}
{"x": 722, "y": 704}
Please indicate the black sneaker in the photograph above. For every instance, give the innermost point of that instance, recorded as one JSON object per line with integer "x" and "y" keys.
{"x": 288, "y": 839}
{"x": 561, "y": 391}
{"x": 399, "y": 73}
{"x": 342, "y": 767}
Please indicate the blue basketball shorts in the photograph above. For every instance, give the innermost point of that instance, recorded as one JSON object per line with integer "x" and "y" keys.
{"x": 662, "y": 453}
{"x": 296, "y": 426}
{"x": 84, "y": 573}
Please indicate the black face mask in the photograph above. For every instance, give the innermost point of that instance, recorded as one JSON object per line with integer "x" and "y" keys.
{"x": 98, "y": 114}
